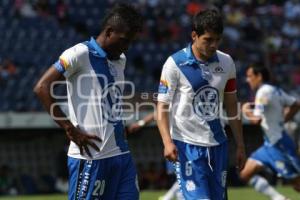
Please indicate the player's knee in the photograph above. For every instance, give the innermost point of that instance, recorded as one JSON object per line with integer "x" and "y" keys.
{"x": 244, "y": 176}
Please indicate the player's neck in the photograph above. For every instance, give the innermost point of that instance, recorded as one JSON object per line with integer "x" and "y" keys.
{"x": 100, "y": 41}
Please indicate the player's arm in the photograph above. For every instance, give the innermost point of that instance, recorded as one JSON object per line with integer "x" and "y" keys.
{"x": 43, "y": 90}
{"x": 234, "y": 120}
{"x": 170, "y": 151}
{"x": 234, "y": 116}
{"x": 291, "y": 111}
{"x": 166, "y": 90}
{"x": 141, "y": 123}
{"x": 248, "y": 111}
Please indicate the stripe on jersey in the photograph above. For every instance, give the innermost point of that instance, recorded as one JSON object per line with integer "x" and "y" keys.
{"x": 193, "y": 74}
{"x": 99, "y": 64}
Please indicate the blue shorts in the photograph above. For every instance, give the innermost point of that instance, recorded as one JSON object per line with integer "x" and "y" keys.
{"x": 281, "y": 157}
{"x": 201, "y": 171}
{"x": 104, "y": 179}
{"x": 170, "y": 167}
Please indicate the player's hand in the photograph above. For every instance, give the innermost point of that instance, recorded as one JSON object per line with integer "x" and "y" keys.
{"x": 170, "y": 152}
{"x": 133, "y": 128}
{"x": 246, "y": 107}
{"x": 83, "y": 140}
{"x": 240, "y": 157}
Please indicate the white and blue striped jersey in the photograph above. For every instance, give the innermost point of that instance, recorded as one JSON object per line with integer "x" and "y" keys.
{"x": 270, "y": 102}
{"x": 94, "y": 91}
{"x": 195, "y": 90}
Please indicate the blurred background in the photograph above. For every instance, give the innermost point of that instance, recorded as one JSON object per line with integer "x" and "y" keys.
{"x": 33, "y": 33}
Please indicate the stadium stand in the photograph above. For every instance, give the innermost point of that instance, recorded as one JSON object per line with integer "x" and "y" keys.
{"x": 268, "y": 30}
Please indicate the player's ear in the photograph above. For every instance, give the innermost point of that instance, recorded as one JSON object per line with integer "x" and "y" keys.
{"x": 194, "y": 35}
{"x": 108, "y": 31}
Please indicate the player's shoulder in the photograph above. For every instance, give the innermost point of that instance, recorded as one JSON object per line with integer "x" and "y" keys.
{"x": 224, "y": 58}
{"x": 77, "y": 50}
{"x": 179, "y": 58}
{"x": 266, "y": 89}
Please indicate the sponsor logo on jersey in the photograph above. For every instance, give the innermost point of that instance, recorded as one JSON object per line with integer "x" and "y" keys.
{"x": 206, "y": 103}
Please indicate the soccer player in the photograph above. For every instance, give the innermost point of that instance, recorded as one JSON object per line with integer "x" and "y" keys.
{"x": 272, "y": 108}
{"x": 100, "y": 165}
{"x": 194, "y": 83}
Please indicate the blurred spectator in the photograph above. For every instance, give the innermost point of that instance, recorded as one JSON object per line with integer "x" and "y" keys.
{"x": 24, "y": 8}
{"x": 43, "y": 8}
{"x": 62, "y": 12}
{"x": 193, "y": 7}
{"x": 9, "y": 66}
{"x": 292, "y": 9}
{"x": 296, "y": 76}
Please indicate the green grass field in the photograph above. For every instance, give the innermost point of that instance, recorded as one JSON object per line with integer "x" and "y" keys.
{"x": 233, "y": 194}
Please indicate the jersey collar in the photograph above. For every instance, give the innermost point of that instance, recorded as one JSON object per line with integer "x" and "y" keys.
{"x": 192, "y": 58}
{"x": 97, "y": 47}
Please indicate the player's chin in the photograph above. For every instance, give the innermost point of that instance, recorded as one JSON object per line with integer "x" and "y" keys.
{"x": 209, "y": 54}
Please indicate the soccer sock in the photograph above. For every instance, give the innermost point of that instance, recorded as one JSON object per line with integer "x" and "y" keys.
{"x": 172, "y": 192}
{"x": 261, "y": 185}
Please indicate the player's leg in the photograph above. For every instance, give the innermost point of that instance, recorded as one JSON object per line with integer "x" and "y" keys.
{"x": 288, "y": 147}
{"x": 89, "y": 180}
{"x": 192, "y": 171}
{"x": 217, "y": 160}
{"x": 260, "y": 158}
{"x": 171, "y": 193}
{"x": 128, "y": 188}
{"x": 251, "y": 168}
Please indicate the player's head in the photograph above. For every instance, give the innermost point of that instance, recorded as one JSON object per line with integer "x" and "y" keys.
{"x": 119, "y": 28}
{"x": 256, "y": 75}
{"x": 207, "y": 29}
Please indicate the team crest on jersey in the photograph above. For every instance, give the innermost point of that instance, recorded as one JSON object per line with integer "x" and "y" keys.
{"x": 190, "y": 185}
{"x": 218, "y": 69}
{"x": 112, "y": 103}
{"x": 163, "y": 87}
{"x": 206, "y": 103}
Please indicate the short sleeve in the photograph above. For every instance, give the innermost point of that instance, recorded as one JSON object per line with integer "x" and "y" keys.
{"x": 286, "y": 99}
{"x": 262, "y": 100}
{"x": 230, "y": 86}
{"x": 68, "y": 62}
{"x": 168, "y": 81}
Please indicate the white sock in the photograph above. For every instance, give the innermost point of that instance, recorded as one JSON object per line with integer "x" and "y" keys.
{"x": 172, "y": 192}
{"x": 261, "y": 185}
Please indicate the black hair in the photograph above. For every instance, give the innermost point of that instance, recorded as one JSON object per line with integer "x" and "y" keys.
{"x": 208, "y": 20}
{"x": 260, "y": 69}
{"x": 123, "y": 17}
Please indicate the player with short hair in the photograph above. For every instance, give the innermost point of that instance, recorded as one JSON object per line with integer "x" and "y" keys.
{"x": 99, "y": 162}
{"x": 272, "y": 108}
{"x": 195, "y": 81}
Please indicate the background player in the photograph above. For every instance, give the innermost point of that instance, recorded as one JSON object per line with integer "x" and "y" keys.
{"x": 99, "y": 162}
{"x": 195, "y": 81}
{"x": 278, "y": 151}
